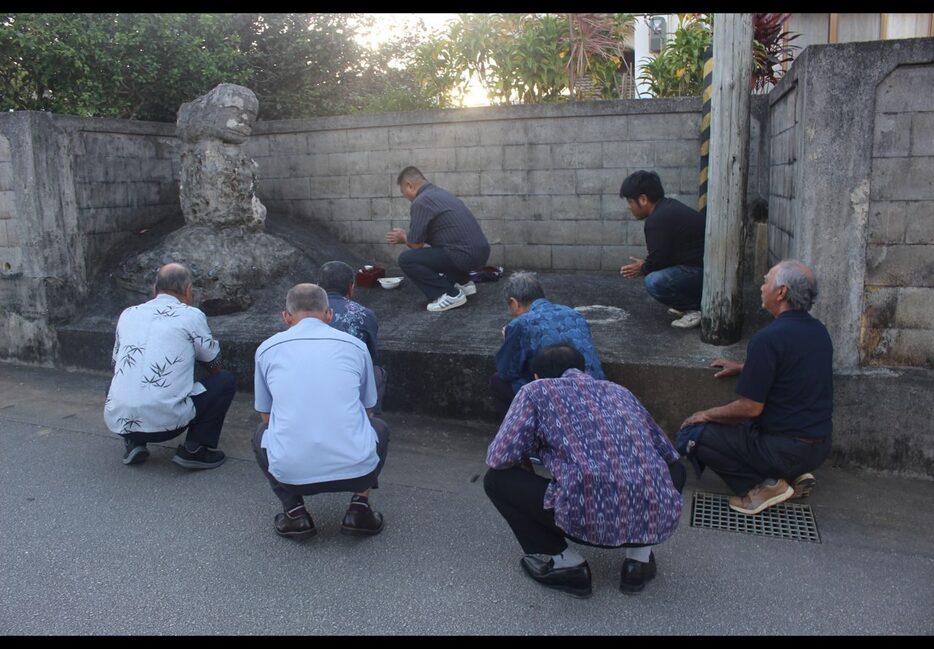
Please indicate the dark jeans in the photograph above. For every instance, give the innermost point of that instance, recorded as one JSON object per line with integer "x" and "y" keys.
{"x": 519, "y": 496}
{"x": 744, "y": 456}
{"x": 502, "y": 394}
{"x": 422, "y": 265}
{"x": 291, "y": 494}
{"x": 679, "y": 287}
{"x": 210, "y": 410}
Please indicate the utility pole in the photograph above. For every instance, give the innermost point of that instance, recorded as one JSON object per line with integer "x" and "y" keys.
{"x": 722, "y": 302}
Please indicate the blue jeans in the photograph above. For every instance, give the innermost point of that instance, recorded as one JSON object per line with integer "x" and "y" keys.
{"x": 679, "y": 287}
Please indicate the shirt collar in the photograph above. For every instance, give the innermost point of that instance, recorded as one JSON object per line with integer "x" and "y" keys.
{"x": 794, "y": 313}
{"x": 167, "y": 297}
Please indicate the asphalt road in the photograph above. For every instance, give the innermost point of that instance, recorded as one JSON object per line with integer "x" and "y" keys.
{"x": 90, "y": 546}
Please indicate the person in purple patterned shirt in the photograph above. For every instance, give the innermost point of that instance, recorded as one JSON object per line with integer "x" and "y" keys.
{"x": 616, "y": 479}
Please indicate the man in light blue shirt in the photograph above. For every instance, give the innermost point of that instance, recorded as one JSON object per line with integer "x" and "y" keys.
{"x": 313, "y": 388}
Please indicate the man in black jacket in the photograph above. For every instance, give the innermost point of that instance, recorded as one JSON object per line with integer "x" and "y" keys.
{"x": 674, "y": 236}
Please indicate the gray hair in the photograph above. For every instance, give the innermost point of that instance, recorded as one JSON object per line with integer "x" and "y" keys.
{"x": 172, "y": 278}
{"x": 800, "y": 282}
{"x": 524, "y": 287}
{"x": 306, "y": 297}
{"x": 336, "y": 276}
{"x": 412, "y": 175}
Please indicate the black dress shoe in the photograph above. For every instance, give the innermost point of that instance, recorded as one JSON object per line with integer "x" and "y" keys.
{"x": 362, "y": 522}
{"x": 575, "y": 580}
{"x": 635, "y": 575}
{"x": 298, "y": 528}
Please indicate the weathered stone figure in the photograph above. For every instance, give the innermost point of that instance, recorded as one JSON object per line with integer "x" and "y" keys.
{"x": 217, "y": 178}
{"x": 223, "y": 242}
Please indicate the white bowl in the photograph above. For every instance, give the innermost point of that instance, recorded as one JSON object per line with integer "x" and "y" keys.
{"x": 389, "y": 282}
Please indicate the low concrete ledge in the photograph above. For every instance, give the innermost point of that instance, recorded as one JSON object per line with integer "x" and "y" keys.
{"x": 440, "y": 364}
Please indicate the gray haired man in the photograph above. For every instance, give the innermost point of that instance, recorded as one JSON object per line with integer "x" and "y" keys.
{"x": 779, "y": 429}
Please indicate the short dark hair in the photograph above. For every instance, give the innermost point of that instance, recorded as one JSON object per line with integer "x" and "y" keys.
{"x": 410, "y": 174}
{"x": 553, "y": 361}
{"x": 336, "y": 276}
{"x": 172, "y": 278}
{"x": 642, "y": 182}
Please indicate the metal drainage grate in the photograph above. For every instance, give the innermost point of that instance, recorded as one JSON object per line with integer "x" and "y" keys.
{"x": 785, "y": 520}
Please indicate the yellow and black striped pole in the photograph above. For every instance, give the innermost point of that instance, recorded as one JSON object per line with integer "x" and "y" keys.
{"x": 705, "y": 132}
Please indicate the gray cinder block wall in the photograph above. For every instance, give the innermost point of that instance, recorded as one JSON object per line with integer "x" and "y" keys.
{"x": 72, "y": 191}
{"x": 543, "y": 180}
{"x": 852, "y": 193}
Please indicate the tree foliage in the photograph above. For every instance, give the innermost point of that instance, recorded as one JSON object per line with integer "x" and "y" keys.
{"x": 523, "y": 58}
{"x": 678, "y": 69}
{"x": 144, "y": 66}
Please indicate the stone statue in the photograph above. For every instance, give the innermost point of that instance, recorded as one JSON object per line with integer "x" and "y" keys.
{"x": 232, "y": 259}
{"x": 217, "y": 182}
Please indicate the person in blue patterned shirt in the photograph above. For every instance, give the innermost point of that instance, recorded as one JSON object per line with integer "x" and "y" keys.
{"x": 536, "y": 324}
{"x": 616, "y": 479}
{"x": 338, "y": 279}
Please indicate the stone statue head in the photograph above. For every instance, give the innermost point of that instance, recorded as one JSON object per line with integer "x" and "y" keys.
{"x": 227, "y": 113}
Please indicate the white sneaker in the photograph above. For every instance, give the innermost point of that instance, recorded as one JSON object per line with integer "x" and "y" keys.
{"x": 689, "y": 320}
{"x": 676, "y": 313}
{"x": 469, "y": 288}
{"x": 446, "y": 302}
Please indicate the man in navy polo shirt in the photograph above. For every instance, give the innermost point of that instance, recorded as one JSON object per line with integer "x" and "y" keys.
{"x": 313, "y": 387}
{"x": 779, "y": 430}
{"x": 455, "y": 242}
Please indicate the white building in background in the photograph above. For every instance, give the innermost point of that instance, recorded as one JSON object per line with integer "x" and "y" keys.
{"x": 653, "y": 30}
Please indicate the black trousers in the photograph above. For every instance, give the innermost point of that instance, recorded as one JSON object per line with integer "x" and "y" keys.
{"x": 291, "y": 494}
{"x": 519, "y": 495}
{"x": 211, "y": 408}
{"x": 502, "y": 394}
{"x": 744, "y": 456}
{"x": 422, "y": 265}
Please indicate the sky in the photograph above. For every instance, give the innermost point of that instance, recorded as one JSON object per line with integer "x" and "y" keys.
{"x": 388, "y": 23}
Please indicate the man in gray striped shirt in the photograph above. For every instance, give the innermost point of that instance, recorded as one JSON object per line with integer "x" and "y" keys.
{"x": 455, "y": 242}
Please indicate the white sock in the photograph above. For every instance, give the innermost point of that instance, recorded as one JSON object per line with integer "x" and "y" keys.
{"x": 639, "y": 554}
{"x": 568, "y": 559}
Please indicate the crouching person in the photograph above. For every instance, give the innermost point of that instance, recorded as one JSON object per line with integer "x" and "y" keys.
{"x": 153, "y": 396}
{"x": 313, "y": 387}
{"x": 616, "y": 481}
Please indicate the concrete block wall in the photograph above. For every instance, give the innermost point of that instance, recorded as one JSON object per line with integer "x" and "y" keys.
{"x": 72, "y": 191}
{"x": 542, "y": 180}
{"x": 9, "y": 225}
{"x": 898, "y": 314}
{"x": 125, "y": 180}
{"x": 852, "y": 190}
{"x": 784, "y": 117}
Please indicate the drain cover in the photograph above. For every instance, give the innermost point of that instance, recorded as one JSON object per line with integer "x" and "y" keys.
{"x": 785, "y": 520}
